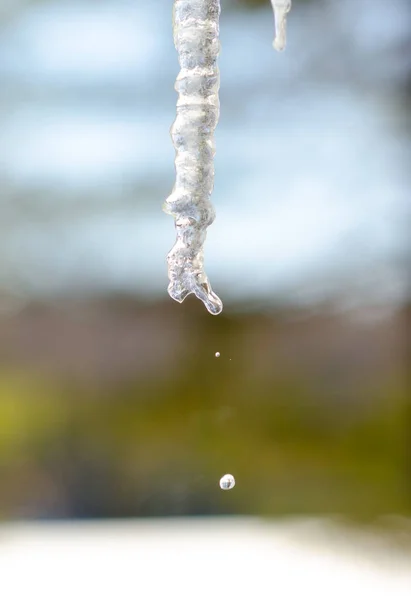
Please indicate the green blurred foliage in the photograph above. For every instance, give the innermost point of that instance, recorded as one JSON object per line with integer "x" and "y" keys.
{"x": 157, "y": 444}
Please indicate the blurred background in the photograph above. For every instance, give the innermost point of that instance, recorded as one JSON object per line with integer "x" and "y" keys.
{"x": 112, "y": 402}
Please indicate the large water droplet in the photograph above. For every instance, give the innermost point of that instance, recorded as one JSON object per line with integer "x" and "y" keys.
{"x": 227, "y": 482}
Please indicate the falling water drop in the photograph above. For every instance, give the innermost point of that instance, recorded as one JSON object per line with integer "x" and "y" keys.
{"x": 280, "y": 8}
{"x": 227, "y": 482}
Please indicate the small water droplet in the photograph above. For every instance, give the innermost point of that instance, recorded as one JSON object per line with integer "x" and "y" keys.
{"x": 217, "y": 355}
{"x": 227, "y": 482}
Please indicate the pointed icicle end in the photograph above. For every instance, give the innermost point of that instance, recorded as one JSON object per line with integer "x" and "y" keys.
{"x": 281, "y": 9}
{"x": 211, "y": 301}
{"x": 279, "y": 45}
{"x": 178, "y": 292}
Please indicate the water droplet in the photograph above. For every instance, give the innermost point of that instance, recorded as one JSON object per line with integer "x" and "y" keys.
{"x": 227, "y": 482}
{"x": 217, "y": 355}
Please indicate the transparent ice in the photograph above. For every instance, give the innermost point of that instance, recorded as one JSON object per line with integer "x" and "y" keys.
{"x": 196, "y": 38}
{"x": 281, "y": 8}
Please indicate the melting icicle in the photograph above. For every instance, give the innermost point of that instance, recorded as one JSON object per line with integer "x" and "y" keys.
{"x": 196, "y": 38}
{"x": 281, "y": 8}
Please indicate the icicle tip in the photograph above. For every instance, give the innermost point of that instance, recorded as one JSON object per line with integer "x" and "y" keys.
{"x": 281, "y": 8}
{"x": 278, "y": 45}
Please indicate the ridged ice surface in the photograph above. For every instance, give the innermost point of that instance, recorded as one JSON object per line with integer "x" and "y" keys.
{"x": 196, "y": 38}
{"x": 281, "y": 8}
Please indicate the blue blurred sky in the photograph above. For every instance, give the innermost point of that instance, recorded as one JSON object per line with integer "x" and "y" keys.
{"x": 313, "y": 151}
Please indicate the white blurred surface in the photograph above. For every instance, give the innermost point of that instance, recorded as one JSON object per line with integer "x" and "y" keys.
{"x": 198, "y": 558}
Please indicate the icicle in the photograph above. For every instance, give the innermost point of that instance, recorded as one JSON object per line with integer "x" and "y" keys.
{"x": 196, "y": 38}
{"x": 281, "y": 8}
